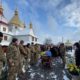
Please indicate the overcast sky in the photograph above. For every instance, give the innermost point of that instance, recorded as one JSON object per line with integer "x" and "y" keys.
{"x": 51, "y": 18}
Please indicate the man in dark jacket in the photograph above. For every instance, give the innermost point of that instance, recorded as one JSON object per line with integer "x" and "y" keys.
{"x": 54, "y": 51}
{"x": 77, "y": 54}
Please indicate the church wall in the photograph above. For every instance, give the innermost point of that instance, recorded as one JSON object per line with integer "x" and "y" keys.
{"x": 32, "y": 39}
{"x": 4, "y": 28}
{"x": 23, "y": 37}
{"x": 9, "y": 37}
{"x": 6, "y": 39}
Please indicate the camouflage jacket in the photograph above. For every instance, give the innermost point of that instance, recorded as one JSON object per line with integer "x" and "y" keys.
{"x": 33, "y": 49}
{"x": 22, "y": 50}
{"x": 2, "y": 56}
{"x": 13, "y": 53}
{"x": 28, "y": 52}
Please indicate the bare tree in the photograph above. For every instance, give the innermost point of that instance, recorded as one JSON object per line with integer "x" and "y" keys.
{"x": 48, "y": 41}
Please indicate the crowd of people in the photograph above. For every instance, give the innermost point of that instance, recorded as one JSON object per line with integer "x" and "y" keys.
{"x": 18, "y": 56}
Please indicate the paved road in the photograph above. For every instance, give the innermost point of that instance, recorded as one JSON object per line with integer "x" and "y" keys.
{"x": 38, "y": 73}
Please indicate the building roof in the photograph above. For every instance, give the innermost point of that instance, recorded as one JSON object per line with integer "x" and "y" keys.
{"x": 16, "y": 20}
{"x": 68, "y": 43}
{"x": 3, "y": 20}
{"x": 31, "y": 32}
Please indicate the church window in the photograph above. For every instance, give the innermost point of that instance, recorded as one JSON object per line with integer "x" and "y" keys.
{"x": 5, "y": 37}
{"x": 36, "y": 39}
{"x": 32, "y": 38}
{"x": 4, "y": 29}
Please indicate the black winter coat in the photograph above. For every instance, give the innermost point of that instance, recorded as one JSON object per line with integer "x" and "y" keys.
{"x": 77, "y": 57}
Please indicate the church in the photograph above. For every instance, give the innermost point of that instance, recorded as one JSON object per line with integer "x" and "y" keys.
{"x": 15, "y": 29}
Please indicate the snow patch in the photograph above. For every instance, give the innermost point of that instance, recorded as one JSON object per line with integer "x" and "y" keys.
{"x": 64, "y": 72}
{"x": 23, "y": 69}
{"x": 38, "y": 73}
{"x": 55, "y": 76}
{"x": 32, "y": 75}
{"x": 42, "y": 76}
{"x": 51, "y": 74}
{"x": 47, "y": 78}
{"x": 30, "y": 70}
{"x": 65, "y": 77}
{"x": 29, "y": 66}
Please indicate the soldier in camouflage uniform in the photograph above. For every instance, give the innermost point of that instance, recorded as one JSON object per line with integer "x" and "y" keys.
{"x": 27, "y": 48}
{"x": 23, "y": 53}
{"x": 2, "y": 56}
{"x": 37, "y": 50}
{"x": 13, "y": 59}
{"x": 62, "y": 50}
{"x": 33, "y": 53}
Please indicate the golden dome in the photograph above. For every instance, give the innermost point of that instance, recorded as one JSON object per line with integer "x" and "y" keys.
{"x": 16, "y": 20}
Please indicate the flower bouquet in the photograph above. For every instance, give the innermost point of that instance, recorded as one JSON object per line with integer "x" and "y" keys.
{"x": 74, "y": 71}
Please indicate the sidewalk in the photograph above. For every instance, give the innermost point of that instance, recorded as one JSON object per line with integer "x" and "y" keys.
{"x": 55, "y": 73}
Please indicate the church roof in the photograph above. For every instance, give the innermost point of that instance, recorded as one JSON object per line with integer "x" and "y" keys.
{"x": 26, "y": 31}
{"x": 3, "y": 20}
{"x": 31, "y": 32}
{"x": 16, "y": 20}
